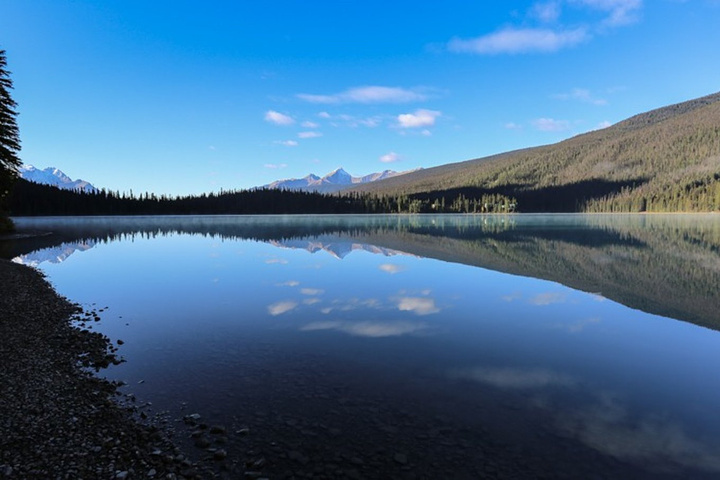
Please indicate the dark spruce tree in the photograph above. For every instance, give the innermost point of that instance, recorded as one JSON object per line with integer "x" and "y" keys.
{"x": 9, "y": 142}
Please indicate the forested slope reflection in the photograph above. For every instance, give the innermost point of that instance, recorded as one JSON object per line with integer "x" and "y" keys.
{"x": 662, "y": 264}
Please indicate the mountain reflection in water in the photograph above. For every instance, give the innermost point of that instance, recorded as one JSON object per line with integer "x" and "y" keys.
{"x": 663, "y": 264}
{"x": 415, "y": 346}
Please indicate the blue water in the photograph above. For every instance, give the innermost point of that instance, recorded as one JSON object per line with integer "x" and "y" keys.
{"x": 516, "y": 346}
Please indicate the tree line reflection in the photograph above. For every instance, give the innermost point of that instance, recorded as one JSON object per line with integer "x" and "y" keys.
{"x": 662, "y": 264}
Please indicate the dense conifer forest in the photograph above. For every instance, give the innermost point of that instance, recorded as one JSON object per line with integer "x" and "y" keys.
{"x": 31, "y": 199}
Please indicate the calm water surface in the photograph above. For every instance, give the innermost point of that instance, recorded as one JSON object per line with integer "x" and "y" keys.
{"x": 522, "y": 346}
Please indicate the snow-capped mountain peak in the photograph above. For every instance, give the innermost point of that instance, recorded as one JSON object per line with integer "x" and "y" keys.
{"x": 335, "y": 181}
{"x": 373, "y": 177}
{"x": 55, "y": 177}
{"x": 338, "y": 177}
{"x": 60, "y": 174}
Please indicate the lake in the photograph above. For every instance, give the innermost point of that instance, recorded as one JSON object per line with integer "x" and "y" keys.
{"x": 518, "y": 346}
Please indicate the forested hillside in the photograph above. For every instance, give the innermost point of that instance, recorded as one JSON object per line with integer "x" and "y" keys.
{"x": 664, "y": 160}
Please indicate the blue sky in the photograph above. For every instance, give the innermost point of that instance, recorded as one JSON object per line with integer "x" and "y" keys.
{"x": 187, "y": 96}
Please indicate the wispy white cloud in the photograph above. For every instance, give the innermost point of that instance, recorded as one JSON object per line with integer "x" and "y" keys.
{"x": 544, "y": 39}
{"x": 582, "y": 95}
{"x": 267, "y": 74}
{"x": 278, "y": 118}
{"x": 309, "y": 134}
{"x": 325, "y": 115}
{"x": 275, "y": 166}
{"x": 289, "y": 283}
{"x": 619, "y": 12}
{"x": 513, "y": 126}
{"x": 390, "y": 157}
{"x": 281, "y": 307}
{"x": 420, "y": 118}
{"x": 352, "y": 121}
{"x": 370, "y": 122}
{"x": 546, "y": 12}
{"x": 287, "y": 143}
{"x": 551, "y": 125}
{"x": 309, "y": 124}
{"x": 616, "y": 89}
{"x": 520, "y": 40}
{"x": 367, "y": 94}
{"x": 311, "y": 301}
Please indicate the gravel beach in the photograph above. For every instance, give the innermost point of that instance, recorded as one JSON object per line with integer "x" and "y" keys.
{"x": 58, "y": 419}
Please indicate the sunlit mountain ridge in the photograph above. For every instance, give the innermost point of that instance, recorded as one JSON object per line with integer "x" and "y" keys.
{"x": 55, "y": 177}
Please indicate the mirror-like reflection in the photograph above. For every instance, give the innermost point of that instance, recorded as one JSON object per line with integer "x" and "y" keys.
{"x": 401, "y": 346}
{"x": 663, "y": 264}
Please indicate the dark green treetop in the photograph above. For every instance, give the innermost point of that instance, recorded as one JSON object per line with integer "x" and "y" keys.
{"x": 9, "y": 134}
{"x": 9, "y": 138}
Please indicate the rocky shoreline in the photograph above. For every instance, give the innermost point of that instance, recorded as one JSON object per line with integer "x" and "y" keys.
{"x": 283, "y": 419}
{"x": 58, "y": 419}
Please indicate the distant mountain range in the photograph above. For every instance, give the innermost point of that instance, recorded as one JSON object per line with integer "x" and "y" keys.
{"x": 55, "y": 177}
{"x": 334, "y": 181}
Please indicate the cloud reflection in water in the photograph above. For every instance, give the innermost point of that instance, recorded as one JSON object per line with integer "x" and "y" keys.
{"x": 391, "y": 268}
{"x": 514, "y": 378}
{"x": 609, "y": 427}
{"x": 312, "y": 291}
{"x": 417, "y": 305}
{"x": 281, "y": 307}
{"x": 548, "y": 298}
{"x": 276, "y": 261}
{"x": 367, "y": 328}
{"x": 602, "y": 422}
